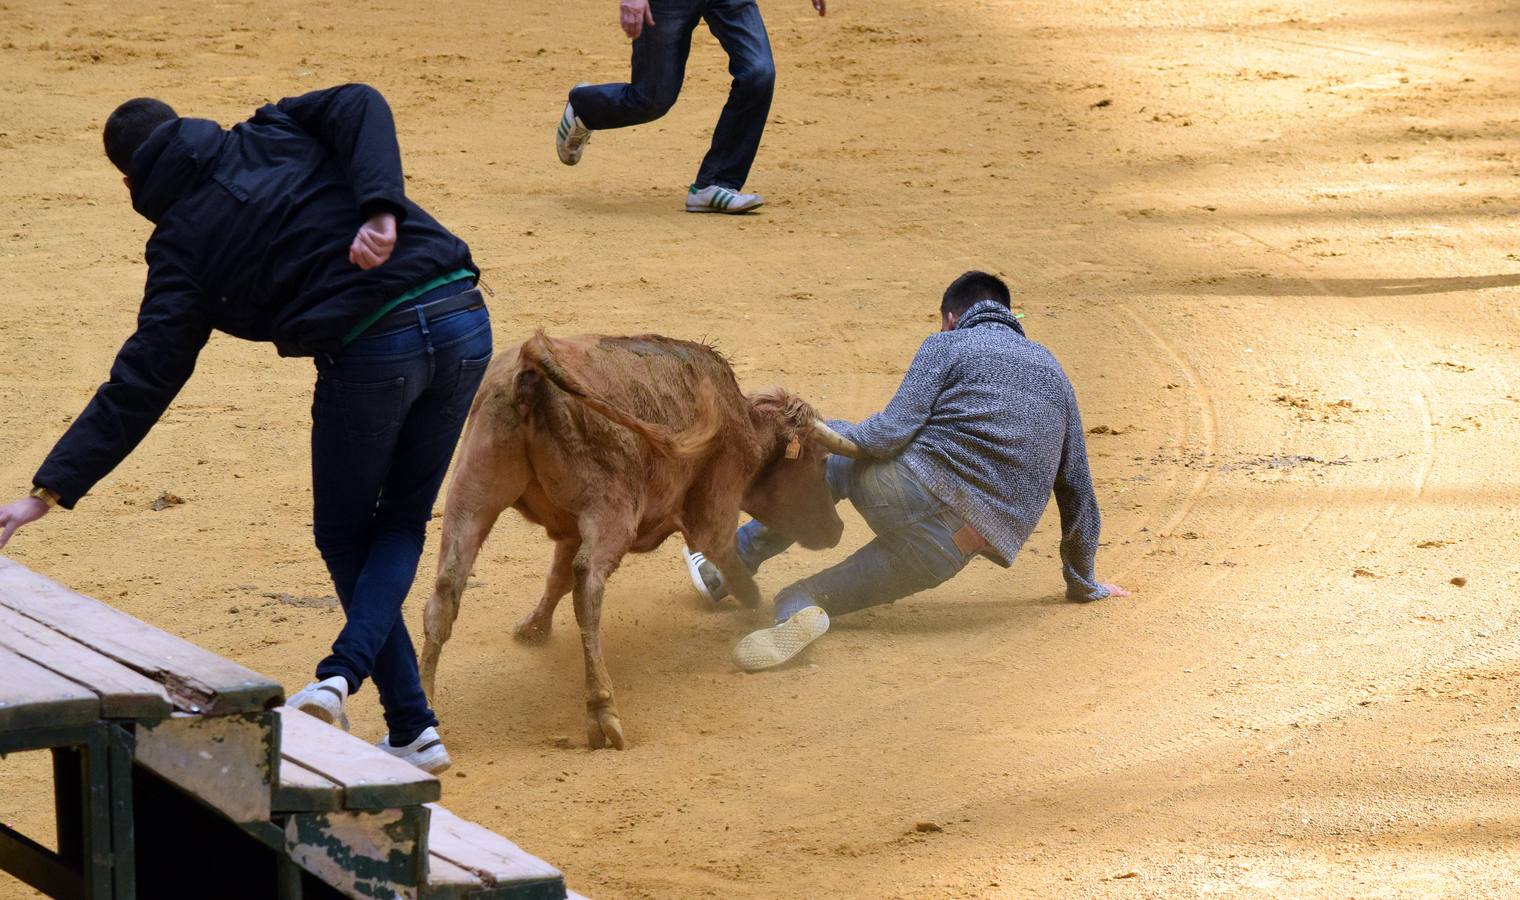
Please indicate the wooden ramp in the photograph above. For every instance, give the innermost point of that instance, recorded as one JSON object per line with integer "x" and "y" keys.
{"x": 176, "y": 769}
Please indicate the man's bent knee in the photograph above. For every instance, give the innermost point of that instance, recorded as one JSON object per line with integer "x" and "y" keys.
{"x": 757, "y": 83}
{"x": 647, "y": 106}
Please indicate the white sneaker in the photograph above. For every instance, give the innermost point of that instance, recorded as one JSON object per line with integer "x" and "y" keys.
{"x": 715, "y": 199}
{"x": 705, "y": 576}
{"x": 571, "y": 137}
{"x": 770, "y": 647}
{"x": 324, "y": 699}
{"x": 426, "y": 752}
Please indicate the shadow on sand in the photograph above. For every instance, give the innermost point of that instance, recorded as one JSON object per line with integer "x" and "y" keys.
{"x": 1246, "y": 285}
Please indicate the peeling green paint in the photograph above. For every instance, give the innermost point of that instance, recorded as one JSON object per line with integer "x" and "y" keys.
{"x": 322, "y": 835}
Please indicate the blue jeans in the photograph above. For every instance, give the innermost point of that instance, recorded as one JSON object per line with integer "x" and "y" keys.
{"x": 387, "y": 413}
{"x": 659, "y": 67}
{"x": 914, "y": 548}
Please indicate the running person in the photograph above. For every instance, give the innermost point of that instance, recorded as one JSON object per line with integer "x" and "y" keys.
{"x": 661, "y": 31}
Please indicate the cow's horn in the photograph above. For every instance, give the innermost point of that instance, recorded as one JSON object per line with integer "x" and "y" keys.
{"x": 834, "y": 441}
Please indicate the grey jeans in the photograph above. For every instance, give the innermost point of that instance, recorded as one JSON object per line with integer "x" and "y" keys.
{"x": 914, "y": 548}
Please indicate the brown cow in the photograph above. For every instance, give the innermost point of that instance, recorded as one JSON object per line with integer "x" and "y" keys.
{"x": 612, "y": 444}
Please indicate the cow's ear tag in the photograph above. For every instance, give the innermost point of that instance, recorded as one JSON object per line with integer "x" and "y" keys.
{"x": 794, "y": 448}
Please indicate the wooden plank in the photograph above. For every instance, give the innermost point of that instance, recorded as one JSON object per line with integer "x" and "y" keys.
{"x": 196, "y": 679}
{"x": 227, "y": 762}
{"x": 34, "y": 697}
{"x": 299, "y": 789}
{"x": 495, "y": 860}
{"x": 124, "y": 694}
{"x": 446, "y": 881}
{"x": 363, "y": 853}
{"x": 370, "y": 777}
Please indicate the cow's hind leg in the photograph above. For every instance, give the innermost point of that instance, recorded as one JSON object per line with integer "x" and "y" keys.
{"x": 535, "y": 627}
{"x": 604, "y": 541}
{"x": 487, "y": 481}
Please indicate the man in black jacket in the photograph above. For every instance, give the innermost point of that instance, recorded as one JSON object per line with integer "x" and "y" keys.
{"x": 294, "y": 228}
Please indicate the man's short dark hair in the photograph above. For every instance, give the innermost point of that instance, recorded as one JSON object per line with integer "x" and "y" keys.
{"x": 971, "y": 289}
{"x": 129, "y": 126}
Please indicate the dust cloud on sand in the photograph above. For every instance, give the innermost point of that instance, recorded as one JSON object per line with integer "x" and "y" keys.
{"x": 1274, "y": 245}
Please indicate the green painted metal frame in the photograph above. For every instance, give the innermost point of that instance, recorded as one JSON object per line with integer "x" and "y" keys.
{"x": 92, "y": 785}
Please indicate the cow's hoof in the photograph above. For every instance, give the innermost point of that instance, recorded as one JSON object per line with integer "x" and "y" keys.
{"x": 604, "y": 729}
{"x": 531, "y": 631}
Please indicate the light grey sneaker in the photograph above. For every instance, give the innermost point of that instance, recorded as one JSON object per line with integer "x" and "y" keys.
{"x": 715, "y": 199}
{"x": 324, "y": 699}
{"x": 770, "y": 647}
{"x": 426, "y": 752}
{"x": 705, "y": 576}
{"x": 571, "y": 136}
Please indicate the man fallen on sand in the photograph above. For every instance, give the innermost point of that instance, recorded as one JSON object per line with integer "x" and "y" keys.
{"x": 294, "y": 228}
{"x": 661, "y": 32}
{"x": 960, "y": 464}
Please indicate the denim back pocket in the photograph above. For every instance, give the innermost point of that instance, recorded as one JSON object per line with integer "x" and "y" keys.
{"x": 471, "y": 372}
{"x": 369, "y": 410}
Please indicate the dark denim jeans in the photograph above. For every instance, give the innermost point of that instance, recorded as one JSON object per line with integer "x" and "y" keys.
{"x": 914, "y": 548}
{"x": 387, "y": 413}
{"x": 659, "y": 67}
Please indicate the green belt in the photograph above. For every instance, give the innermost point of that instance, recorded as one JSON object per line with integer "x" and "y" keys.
{"x": 414, "y": 293}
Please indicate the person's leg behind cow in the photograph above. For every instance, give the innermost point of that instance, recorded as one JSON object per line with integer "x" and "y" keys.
{"x": 756, "y": 542}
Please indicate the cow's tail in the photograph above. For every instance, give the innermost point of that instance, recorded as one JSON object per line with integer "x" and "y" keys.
{"x": 538, "y": 352}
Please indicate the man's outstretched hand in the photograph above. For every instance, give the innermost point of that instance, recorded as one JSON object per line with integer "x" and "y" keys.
{"x": 822, "y": 6}
{"x": 23, "y": 512}
{"x": 1113, "y": 589}
{"x": 633, "y": 15}
{"x": 373, "y": 244}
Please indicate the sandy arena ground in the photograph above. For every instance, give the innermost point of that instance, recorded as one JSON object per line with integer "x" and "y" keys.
{"x": 1274, "y": 244}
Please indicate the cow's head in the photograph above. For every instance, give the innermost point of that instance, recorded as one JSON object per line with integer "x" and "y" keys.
{"x": 790, "y": 493}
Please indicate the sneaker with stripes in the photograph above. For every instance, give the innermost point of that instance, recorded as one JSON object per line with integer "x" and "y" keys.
{"x": 705, "y": 576}
{"x": 323, "y": 699}
{"x": 426, "y": 751}
{"x": 715, "y": 199}
{"x": 571, "y": 137}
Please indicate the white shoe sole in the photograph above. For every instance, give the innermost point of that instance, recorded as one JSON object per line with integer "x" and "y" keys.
{"x": 732, "y": 210}
{"x": 770, "y": 647}
{"x": 320, "y": 710}
{"x": 320, "y": 703}
{"x": 694, "y": 569}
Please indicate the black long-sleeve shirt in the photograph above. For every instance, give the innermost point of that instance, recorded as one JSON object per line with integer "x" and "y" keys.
{"x": 252, "y": 232}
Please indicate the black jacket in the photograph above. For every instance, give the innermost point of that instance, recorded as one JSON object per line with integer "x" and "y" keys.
{"x": 252, "y": 233}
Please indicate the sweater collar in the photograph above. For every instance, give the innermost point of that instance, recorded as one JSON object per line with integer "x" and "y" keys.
{"x": 989, "y": 312}
{"x": 174, "y": 158}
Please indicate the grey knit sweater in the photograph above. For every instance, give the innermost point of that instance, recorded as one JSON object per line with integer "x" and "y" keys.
{"x": 988, "y": 421}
